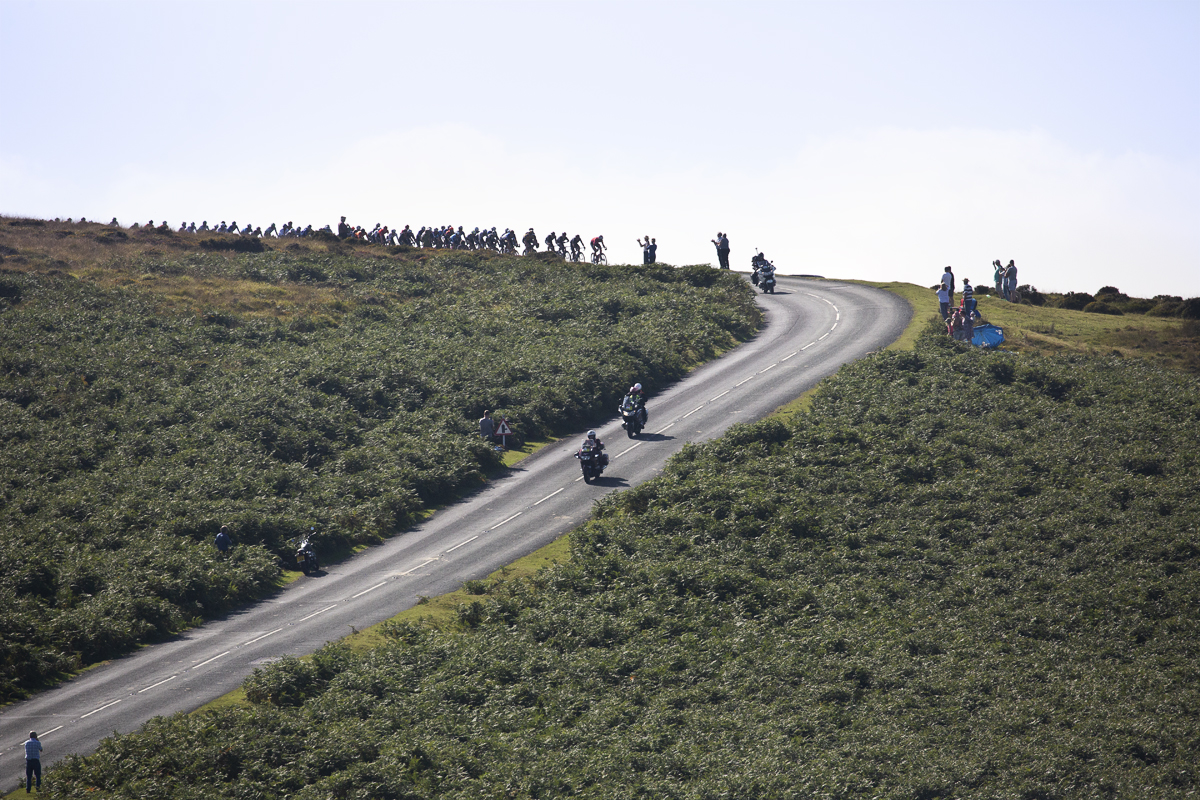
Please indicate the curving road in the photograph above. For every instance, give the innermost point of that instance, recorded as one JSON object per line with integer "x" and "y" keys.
{"x": 812, "y": 328}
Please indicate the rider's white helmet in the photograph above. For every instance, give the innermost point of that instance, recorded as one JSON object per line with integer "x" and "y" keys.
{"x": 591, "y": 434}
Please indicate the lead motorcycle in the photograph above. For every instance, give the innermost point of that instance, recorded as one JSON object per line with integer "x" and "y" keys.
{"x": 763, "y": 275}
{"x": 592, "y": 461}
{"x": 633, "y": 416}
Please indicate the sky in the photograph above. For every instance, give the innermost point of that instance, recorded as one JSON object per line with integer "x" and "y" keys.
{"x": 849, "y": 139}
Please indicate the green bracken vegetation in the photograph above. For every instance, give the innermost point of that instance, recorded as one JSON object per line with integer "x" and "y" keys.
{"x": 961, "y": 574}
{"x": 152, "y": 390}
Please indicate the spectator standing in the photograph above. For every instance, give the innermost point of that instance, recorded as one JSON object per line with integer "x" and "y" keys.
{"x": 998, "y": 277}
{"x": 223, "y": 542}
{"x": 943, "y": 297}
{"x": 1010, "y": 281}
{"x": 33, "y": 762}
{"x": 948, "y": 282}
{"x": 968, "y": 299}
{"x": 487, "y": 427}
{"x": 722, "y": 243}
{"x": 645, "y": 249}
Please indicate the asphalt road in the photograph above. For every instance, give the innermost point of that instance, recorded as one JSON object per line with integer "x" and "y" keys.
{"x": 812, "y": 328}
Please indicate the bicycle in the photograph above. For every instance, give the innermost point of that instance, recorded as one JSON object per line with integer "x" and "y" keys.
{"x": 598, "y": 257}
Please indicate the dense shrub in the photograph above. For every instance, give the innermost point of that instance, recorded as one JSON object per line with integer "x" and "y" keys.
{"x": 1074, "y": 301}
{"x": 1100, "y": 307}
{"x": 128, "y": 436}
{"x": 950, "y": 579}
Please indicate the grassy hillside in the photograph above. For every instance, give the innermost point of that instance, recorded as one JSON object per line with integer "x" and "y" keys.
{"x": 154, "y": 386}
{"x": 963, "y": 574}
{"x": 1164, "y": 330}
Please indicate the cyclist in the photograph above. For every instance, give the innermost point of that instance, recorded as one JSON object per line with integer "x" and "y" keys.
{"x": 562, "y": 244}
{"x": 598, "y": 246}
{"x": 530, "y": 241}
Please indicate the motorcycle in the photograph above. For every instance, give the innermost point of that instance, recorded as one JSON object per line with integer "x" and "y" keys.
{"x": 306, "y": 559}
{"x": 592, "y": 461}
{"x": 766, "y": 278}
{"x": 633, "y": 418}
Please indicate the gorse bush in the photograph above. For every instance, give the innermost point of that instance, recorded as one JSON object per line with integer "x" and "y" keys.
{"x": 129, "y": 434}
{"x": 963, "y": 574}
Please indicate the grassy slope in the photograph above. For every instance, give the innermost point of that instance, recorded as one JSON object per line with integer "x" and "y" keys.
{"x": 151, "y": 390}
{"x": 982, "y": 582}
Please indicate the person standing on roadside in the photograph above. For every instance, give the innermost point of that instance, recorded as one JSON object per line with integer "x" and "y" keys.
{"x": 948, "y": 282}
{"x": 645, "y": 250}
{"x": 722, "y": 243}
{"x": 223, "y": 541}
{"x": 487, "y": 427}
{"x": 33, "y": 761}
{"x": 943, "y": 301}
{"x": 1010, "y": 281}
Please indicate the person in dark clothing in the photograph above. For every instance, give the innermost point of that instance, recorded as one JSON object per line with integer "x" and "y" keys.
{"x": 722, "y": 243}
{"x": 33, "y": 761}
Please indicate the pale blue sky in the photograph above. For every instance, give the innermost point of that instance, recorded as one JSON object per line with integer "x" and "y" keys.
{"x": 851, "y": 139}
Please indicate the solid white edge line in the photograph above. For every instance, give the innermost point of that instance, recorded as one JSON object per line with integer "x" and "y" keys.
{"x": 322, "y": 611}
{"x": 155, "y": 685}
{"x": 623, "y": 452}
{"x": 214, "y": 658}
{"x": 101, "y": 708}
{"x": 544, "y": 499}
{"x": 467, "y": 542}
{"x": 510, "y": 519}
{"x": 272, "y": 633}
{"x": 785, "y": 358}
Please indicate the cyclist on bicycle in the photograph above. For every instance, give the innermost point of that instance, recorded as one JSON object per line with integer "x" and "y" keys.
{"x": 562, "y": 244}
{"x": 530, "y": 240}
{"x": 598, "y": 245}
{"x": 550, "y": 241}
{"x": 576, "y": 247}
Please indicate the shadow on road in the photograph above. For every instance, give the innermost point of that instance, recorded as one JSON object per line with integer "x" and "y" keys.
{"x": 612, "y": 482}
{"x": 654, "y": 437}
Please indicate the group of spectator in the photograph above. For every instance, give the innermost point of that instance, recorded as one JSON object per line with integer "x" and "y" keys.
{"x": 649, "y": 250}
{"x": 960, "y": 320}
{"x": 1006, "y": 280}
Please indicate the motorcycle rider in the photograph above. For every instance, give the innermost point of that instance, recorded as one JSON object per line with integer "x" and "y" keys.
{"x": 638, "y": 398}
{"x": 592, "y": 442}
